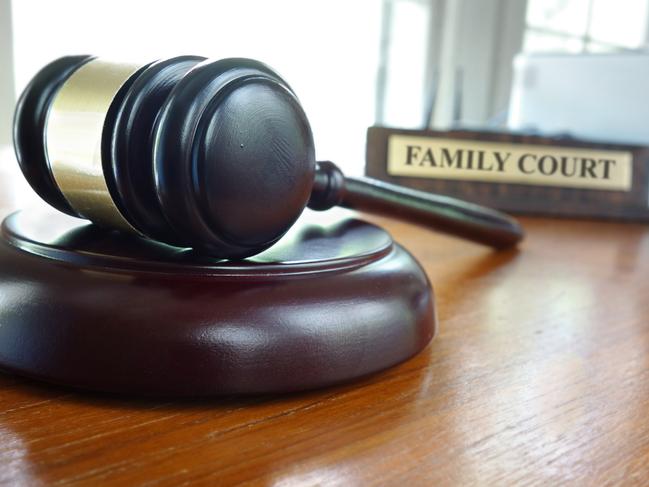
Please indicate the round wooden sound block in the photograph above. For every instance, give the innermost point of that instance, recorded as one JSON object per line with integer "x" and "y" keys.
{"x": 94, "y": 309}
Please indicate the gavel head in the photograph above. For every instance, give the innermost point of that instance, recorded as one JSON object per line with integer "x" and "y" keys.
{"x": 215, "y": 155}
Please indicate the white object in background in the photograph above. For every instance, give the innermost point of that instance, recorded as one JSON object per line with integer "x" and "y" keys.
{"x": 593, "y": 96}
{"x": 7, "y": 98}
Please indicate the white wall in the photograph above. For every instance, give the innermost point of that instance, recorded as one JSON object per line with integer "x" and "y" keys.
{"x": 7, "y": 92}
{"x": 326, "y": 50}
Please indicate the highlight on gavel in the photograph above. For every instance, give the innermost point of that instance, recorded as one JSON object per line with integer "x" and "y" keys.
{"x": 214, "y": 155}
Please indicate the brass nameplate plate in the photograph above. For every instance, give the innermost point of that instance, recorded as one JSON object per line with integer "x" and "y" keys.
{"x": 540, "y": 165}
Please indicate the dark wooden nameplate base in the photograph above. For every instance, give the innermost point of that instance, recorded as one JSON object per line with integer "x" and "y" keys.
{"x": 93, "y": 309}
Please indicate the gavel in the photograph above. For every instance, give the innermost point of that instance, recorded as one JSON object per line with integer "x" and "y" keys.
{"x": 214, "y": 155}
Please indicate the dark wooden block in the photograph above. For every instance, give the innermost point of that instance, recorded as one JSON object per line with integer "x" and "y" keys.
{"x": 98, "y": 310}
{"x": 520, "y": 197}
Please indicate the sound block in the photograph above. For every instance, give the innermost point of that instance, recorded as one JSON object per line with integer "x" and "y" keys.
{"x": 94, "y": 309}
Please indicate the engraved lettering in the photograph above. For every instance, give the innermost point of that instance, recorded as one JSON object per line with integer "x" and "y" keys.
{"x": 521, "y": 163}
{"x": 481, "y": 166}
{"x": 428, "y": 158}
{"x": 469, "y": 164}
{"x": 548, "y": 168}
{"x": 410, "y": 153}
{"x": 501, "y": 161}
{"x": 446, "y": 156}
{"x": 565, "y": 164}
{"x": 588, "y": 166}
{"x": 607, "y": 167}
{"x": 510, "y": 162}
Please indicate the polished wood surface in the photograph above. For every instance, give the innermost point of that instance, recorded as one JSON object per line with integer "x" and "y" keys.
{"x": 539, "y": 376}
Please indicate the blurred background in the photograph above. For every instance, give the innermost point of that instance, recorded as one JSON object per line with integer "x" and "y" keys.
{"x": 406, "y": 63}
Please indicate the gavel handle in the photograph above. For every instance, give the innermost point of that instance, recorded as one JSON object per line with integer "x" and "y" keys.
{"x": 442, "y": 213}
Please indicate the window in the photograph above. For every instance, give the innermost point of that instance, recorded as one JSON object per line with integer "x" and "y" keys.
{"x": 403, "y": 96}
{"x": 576, "y": 26}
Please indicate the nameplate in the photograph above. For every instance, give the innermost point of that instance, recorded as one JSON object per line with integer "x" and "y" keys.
{"x": 515, "y": 172}
{"x": 539, "y": 165}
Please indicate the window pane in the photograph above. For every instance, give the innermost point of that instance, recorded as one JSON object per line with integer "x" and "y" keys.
{"x": 568, "y": 16}
{"x": 619, "y": 22}
{"x": 404, "y": 100}
{"x": 601, "y": 48}
{"x": 536, "y": 41}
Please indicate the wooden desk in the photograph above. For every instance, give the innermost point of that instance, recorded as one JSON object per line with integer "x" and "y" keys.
{"x": 539, "y": 375}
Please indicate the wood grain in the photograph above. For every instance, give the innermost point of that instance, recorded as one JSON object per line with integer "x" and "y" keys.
{"x": 538, "y": 200}
{"x": 539, "y": 376}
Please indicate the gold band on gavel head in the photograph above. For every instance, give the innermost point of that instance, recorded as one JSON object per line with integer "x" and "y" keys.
{"x": 74, "y": 139}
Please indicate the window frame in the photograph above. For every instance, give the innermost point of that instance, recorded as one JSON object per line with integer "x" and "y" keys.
{"x": 586, "y": 39}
